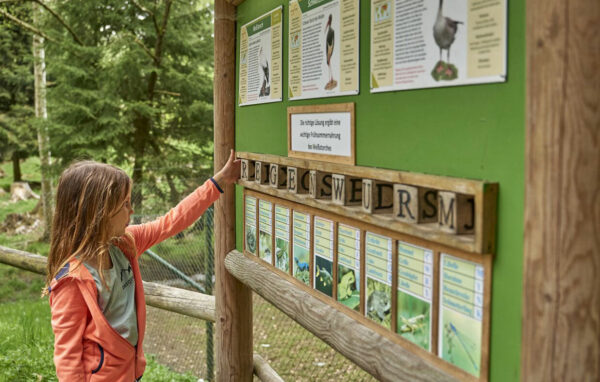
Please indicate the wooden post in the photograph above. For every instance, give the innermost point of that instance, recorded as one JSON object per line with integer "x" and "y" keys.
{"x": 561, "y": 296}
{"x": 233, "y": 299}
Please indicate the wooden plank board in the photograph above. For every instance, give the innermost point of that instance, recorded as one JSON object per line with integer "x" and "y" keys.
{"x": 460, "y": 185}
{"x": 428, "y": 231}
{"x": 561, "y": 276}
{"x": 233, "y": 299}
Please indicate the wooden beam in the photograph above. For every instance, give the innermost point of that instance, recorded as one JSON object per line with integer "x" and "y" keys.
{"x": 233, "y": 299}
{"x": 561, "y": 295}
{"x": 182, "y": 301}
{"x": 264, "y": 371}
{"x": 377, "y": 354}
{"x": 176, "y": 300}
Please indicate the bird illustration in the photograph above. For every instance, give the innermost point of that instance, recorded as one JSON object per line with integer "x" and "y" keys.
{"x": 330, "y": 42}
{"x": 265, "y": 90}
{"x": 444, "y": 31}
{"x": 301, "y": 265}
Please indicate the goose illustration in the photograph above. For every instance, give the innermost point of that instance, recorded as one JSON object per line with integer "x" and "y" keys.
{"x": 444, "y": 31}
{"x": 330, "y": 43}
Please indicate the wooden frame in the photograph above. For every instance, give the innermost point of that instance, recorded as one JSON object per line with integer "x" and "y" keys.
{"x": 485, "y": 195}
{"x": 561, "y": 272}
{"x": 330, "y": 108}
{"x": 436, "y": 248}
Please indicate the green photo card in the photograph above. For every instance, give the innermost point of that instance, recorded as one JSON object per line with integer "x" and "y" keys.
{"x": 461, "y": 313}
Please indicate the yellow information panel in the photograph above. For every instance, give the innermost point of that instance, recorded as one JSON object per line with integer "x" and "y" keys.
{"x": 461, "y": 313}
{"x": 301, "y": 246}
{"x": 415, "y": 294}
{"x": 426, "y": 43}
{"x": 265, "y": 230}
{"x": 282, "y": 238}
{"x": 348, "y": 271}
{"x": 378, "y": 270}
{"x": 260, "y": 79}
{"x": 323, "y": 48}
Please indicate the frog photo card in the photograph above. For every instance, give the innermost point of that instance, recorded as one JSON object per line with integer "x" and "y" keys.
{"x": 250, "y": 225}
{"x": 282, "y": 238}
{"x": 323, "y": 256}
{"x": 265, "y": 233}
{"x": 301, "y": 246}
{"x": 378, "y": 304}
{"x": 348, "y": 266}
{"x": 414, "y": 294}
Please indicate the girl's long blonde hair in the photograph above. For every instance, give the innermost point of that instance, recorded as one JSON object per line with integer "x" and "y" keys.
{"x": 88, "y": 195}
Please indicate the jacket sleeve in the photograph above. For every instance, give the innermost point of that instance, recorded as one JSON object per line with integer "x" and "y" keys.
{"x": 69, "y": 318}
{"x": 177, "y": 219}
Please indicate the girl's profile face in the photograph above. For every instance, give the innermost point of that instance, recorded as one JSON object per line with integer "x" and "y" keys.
{"x": 120, "y": 220}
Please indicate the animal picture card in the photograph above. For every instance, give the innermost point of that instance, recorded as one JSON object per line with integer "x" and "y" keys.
{"x": 282, "y": 238}
{"x": 265, "y": 232}
{"x": 323, "y": 252}
{"x": 378, "y": 252}
{"x": 301, "y": 246}
{"x": 260, "y": 59}
{"x": 461, "y": 313}
{"x": 348, "y": 271}
{"x": 437, "y": 43}
{"x": 415, "y": 285}
{"x": 250, "y": 224}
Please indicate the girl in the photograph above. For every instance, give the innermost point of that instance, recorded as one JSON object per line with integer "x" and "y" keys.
{"x": 94, "y": 281}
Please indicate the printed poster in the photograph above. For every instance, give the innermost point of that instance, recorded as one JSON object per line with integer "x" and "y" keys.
{"x": 260, "y": 59}
{"x": 323, "y": 249}
{"x": 282, "y": 238}
{"x": 301, "y": 246}
{"x": 348, "y": 273}
{"x": 265, "y": 232}
{"x": 379, "y": 278}
{"x": 323, "y": 48}
{"x": 431, "y": 43}
{"x": 250, "y": 213}
{"x": 415, "y": 291}
{"x": 461, "y": 313}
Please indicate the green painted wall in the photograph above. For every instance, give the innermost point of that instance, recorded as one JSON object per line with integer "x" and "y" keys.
{"x": 475, "y": 131}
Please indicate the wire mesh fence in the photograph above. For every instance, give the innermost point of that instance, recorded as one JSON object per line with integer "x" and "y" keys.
{"x": 187, "y": 345}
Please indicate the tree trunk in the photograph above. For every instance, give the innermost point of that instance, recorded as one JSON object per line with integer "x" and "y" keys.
{"x": 143, "y": 124}
{"x": 16, "y": 159}
{"x": 39, "y": 67}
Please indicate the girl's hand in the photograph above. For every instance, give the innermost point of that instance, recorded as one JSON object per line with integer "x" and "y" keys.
{"x": 230, "y": 172}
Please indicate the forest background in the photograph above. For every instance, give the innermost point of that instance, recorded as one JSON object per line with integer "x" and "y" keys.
{"x": 128, "y": 83}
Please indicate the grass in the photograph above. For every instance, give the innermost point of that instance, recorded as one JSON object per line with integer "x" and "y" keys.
{"x": 30, "y": 172}
{"x": 26, "y": 338}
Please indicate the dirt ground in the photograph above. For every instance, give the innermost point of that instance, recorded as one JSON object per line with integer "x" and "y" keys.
{"x": 180, "y": 343}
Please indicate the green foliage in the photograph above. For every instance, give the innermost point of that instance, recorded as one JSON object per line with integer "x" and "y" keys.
{"x": 139, "y": 90}
{"x": 16, "y": 86}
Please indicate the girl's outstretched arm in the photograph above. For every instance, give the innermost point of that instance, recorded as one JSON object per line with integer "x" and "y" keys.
{"x": 187, "y": 211}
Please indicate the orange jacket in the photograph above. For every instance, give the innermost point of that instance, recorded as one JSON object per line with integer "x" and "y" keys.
{"x": 86, "y": 347}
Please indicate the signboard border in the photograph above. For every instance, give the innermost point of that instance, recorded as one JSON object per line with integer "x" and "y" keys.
{"x": 348, "y": 107}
